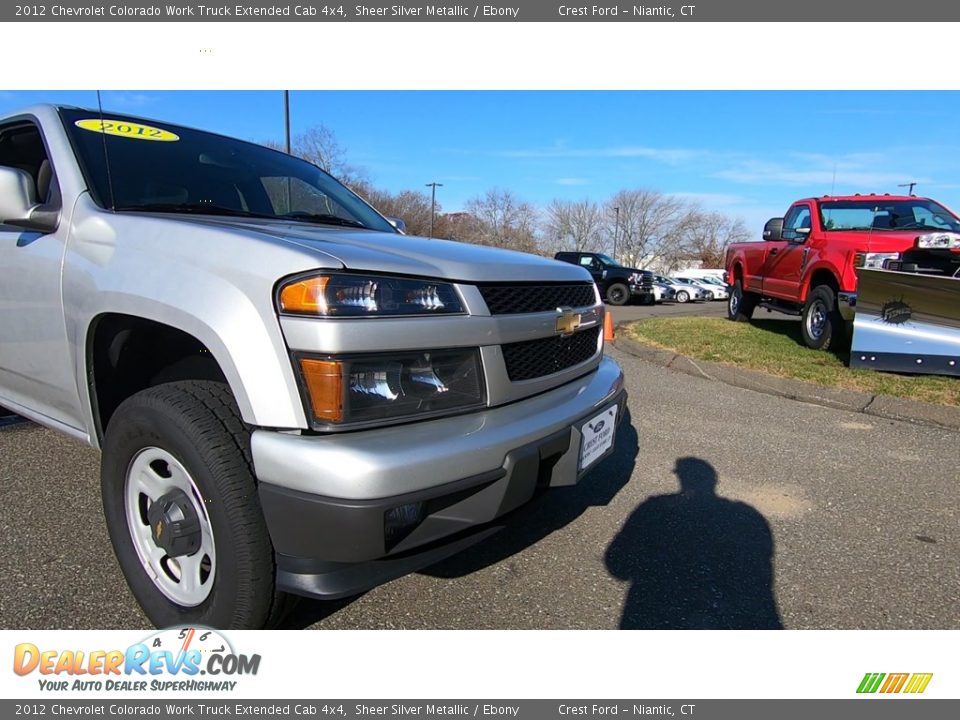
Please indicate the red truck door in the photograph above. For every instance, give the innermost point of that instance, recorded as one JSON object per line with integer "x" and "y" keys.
{"x": 785, "y": 259}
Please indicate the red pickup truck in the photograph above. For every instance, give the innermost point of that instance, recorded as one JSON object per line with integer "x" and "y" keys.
{"x": 806, "y": 263}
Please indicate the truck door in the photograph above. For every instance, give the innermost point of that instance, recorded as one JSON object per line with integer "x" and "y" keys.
{"x": 595, "y": 267}
{"x": 36, "y": 364}
{"x": 785, "y": 258}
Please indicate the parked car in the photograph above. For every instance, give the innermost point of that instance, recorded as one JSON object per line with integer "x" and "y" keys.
{"x": 807, "y": 262}
{"x": 664, "y": 293}
{"x": 289, "y": 395}
{"x": 685, "y": 292}
{"x": 717, "y": 288}
{"x": 618, "y": 285}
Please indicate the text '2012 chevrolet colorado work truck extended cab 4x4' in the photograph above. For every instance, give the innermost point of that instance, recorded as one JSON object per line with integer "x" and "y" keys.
{"x": 289, "y": 395}
{"x": 807, "y": 263}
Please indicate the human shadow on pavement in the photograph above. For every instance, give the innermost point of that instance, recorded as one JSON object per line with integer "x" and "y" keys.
{"x": 695, "y": 560}
{"x": 522, "y": 528}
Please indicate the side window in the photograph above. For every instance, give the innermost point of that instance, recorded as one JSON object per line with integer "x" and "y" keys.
{"x": 586, "y": 261}
{"x": 798, "y": 218}
{"x": 21, "y": 147}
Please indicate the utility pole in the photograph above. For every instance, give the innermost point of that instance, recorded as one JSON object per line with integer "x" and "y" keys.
{"x": 910, "y": 185}
{"x": 616, "y": 228}
{"x": 286, "y": 116}
{"x": 433, "y": 202}
{"x": 286, "y": 122}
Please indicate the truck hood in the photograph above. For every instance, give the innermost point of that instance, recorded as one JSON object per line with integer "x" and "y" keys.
{"x": 358, "y": 249}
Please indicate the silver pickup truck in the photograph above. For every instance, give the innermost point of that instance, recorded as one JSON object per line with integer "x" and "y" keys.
{"x": 289, "y": 394}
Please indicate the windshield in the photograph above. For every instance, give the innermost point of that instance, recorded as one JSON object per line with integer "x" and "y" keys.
{"x": 912, "y": 214}
{"x": 608, "y": 261}
{"x": 158, "y": 167}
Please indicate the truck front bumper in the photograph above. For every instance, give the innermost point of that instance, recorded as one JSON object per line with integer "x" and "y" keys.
{"x": 347, "y": 512}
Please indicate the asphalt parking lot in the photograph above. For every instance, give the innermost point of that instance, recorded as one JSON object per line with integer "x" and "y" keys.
{"x": 720, "y": 508}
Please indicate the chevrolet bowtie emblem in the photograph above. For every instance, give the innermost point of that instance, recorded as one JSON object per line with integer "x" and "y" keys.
{"x": 568, "y": 322}
{"x": 159, "y": 528}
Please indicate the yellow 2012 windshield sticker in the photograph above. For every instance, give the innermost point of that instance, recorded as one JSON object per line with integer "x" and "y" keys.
{"x": 127, "y": 129}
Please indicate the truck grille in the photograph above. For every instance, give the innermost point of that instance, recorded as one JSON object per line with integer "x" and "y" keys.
{"x": 536, "y": 358}
{"x": 532, "y": 298}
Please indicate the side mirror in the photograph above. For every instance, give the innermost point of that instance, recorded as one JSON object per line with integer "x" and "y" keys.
{"x": 18, "y": 202}
{"x": 398, "y": 224}
{"x": 773, "y": 230}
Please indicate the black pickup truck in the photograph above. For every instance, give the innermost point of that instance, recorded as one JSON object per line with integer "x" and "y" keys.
{"x": 617, "y": 284}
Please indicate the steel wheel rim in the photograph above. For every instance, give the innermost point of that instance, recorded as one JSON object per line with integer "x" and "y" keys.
{"x": 186, "y": 580}
{"x": 734, "y": 302}
{"x": 616, "y": 295}
{"x": 816, "y": 319}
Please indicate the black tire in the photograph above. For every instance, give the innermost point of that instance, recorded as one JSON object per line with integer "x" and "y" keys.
{"x": 740, "y": 304}
{"x": 821, "y": 323}
{"x": 618, "y": 294}
{"x": 199, "y": 425}
{"x": 648, "y": 300}
{"x": 682, "y": 296}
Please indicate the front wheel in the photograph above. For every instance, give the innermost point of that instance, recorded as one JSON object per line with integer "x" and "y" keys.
{"x": 182, "y": 508}
{"x": 740, "y": 304}
{"x": 618, "y": 294}
{"x": 821, "y": 323}
{"x": 683, "y": 296}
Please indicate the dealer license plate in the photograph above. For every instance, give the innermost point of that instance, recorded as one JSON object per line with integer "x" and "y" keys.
{"x": 597, "y": 436}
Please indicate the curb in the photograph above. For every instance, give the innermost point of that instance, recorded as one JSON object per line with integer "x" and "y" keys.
{"x": 882, "y": 406}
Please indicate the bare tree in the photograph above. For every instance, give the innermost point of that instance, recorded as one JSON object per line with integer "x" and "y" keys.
{"x": 573, "y": 225}
{"x": 411, "y": 206}
{"x": 647, "y": 221}
{"x": 706, "y": 235}
{"x": 502, "y": 220}
{"x": 319, "y": 145}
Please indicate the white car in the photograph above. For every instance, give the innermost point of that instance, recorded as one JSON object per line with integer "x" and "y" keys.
{"x": 663, "y": 292}
{"x": 685, "y": 292}
{"x": 717, "y": 287}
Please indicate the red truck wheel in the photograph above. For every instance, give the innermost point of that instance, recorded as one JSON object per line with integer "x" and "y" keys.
{"x": 821, "y": 323}
{"x": 740, "y": 304}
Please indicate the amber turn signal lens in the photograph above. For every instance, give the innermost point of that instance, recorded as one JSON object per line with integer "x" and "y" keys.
{"x": 306, "y": 296}
{"x": 324, "y": 382}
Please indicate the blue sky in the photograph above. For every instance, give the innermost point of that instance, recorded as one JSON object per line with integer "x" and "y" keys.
{"x": 748, "y": 153}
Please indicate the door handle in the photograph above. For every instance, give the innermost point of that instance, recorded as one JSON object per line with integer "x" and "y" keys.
{"x": 774, "y": 251}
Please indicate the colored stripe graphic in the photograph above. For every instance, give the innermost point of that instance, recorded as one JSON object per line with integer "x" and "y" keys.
{"x": 894, "y": 683}
{"x": 918, "y": 683}
{"x": 870, "y": 682}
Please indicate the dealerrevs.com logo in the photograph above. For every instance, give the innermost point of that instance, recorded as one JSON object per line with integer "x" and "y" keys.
{"x": 178, "y": 659}
{"x": 910, "y": 683}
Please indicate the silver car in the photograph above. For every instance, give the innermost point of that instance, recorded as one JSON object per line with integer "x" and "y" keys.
{"x": 685, "y": 292}
{"x": 717, "y": 288}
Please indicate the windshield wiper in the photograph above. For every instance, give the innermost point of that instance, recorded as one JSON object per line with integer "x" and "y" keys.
{"x": 321, "y": 218}
{"x": 197, "y": 208}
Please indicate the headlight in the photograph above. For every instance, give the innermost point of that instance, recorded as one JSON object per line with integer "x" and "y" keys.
{"x": 371, "y": 389}
{"x": 343, "y": 295}
{"x": 939, "y": 241}
{"x": 873, "y": 260}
